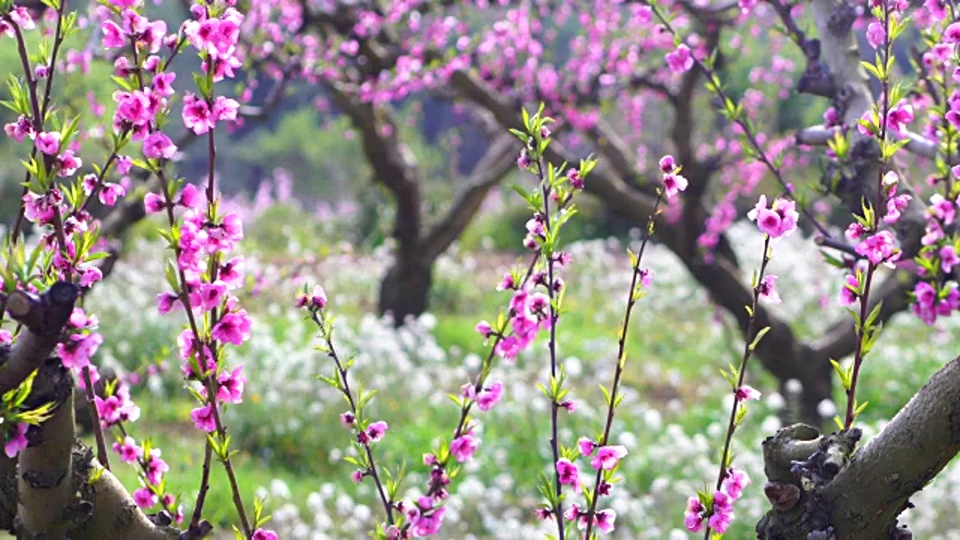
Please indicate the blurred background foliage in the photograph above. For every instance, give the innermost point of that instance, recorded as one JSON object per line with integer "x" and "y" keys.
{"x": 318, "y": 149}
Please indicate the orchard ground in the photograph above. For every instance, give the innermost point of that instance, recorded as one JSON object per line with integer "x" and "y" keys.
{"x": 672, "y": 419}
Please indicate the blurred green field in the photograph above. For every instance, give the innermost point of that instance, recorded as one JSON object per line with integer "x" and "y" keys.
{"x": 672, "y": 419}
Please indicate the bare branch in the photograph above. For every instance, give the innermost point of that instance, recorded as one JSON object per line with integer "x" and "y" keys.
{"x": 393, "y": 163}
{"x": 820, "y": 136}
{"x": 496, "y": 163}
{"x": 862, "y": 497}
{"x": 43, "y": 317}
{"x": 816, "y": 135}
{"x": 838, "y": 245}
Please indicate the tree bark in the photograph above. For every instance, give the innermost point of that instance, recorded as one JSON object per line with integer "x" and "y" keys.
{"x": 405, "y": 288}
{"x": 45, "y": 483}
{"x": 55, "y": 488}
{"x": 860, "y": 496}
{"x": 43, "y": 317}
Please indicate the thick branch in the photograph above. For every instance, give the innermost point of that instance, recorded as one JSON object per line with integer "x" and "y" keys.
{"x": 45, "y": 487}
{"x": 862, "y": 497}
{"x": 681, "y": 133}
{"x": 838, "y": 49}
{"x": 708, "y": 11}
{"x": 115, "y": 515}
{"x": 820, "y": 136}
{"x": 496, "y": 163}
{"x": 793, "y": 443}
{"x": 873, "y": 489}
{"x": 42, "y": 317}
{"x": 393, "y": 164}
{"x": 62, "y": 491}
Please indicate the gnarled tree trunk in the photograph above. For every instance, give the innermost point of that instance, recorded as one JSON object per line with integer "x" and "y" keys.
{"x": 55, "y": 488}
{"x": 860, "y": 496}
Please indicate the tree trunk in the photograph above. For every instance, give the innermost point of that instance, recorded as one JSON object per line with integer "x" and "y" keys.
{"x": 405, "y": 288}
{"x": 858, "y": 495}
{"x": 817, "y": 386}
{"x": 49, "y": 490}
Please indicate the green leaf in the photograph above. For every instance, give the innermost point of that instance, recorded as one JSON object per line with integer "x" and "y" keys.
{"x": 872, "y": 317}
{"x": 842, "y": 373}
{"x": 729, "y": 378}
{"x": 860, "y": 408}
{"x": 616, "y": 402}
{"x": 741, "y": 413}
{"x": 15, "y": 398}
{"x": 214, "y": 443}
{"x": 365, "y": 398}
{"x": 523, "y": 193}
{"x": 756, "y": 340}
{"x": 606, "y": 394}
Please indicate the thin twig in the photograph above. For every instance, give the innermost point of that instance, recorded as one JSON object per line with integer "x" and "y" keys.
{"x": 862, "y": 329}
{"x": 348, "y": 394}
{"x": 554, "y": 406}
{"x": 621, "y": 358}
{"x": 747, "y": 352}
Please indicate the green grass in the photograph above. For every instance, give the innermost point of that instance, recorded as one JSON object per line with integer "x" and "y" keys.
{"x": 300, "y": 458}
{"x": 673, "y": 417}
{"x": 183, "y": 450}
